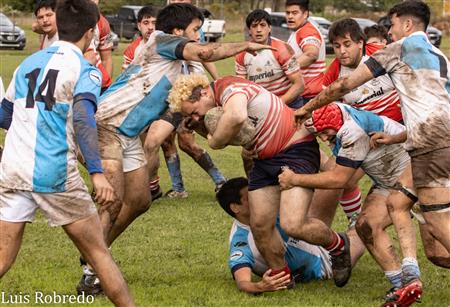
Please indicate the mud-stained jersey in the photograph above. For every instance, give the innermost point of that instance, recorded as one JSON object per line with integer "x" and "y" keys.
{"x": 378, "y": 95}
{"x": 40, "y": 149}
{"x": 420, "y": 73}
{"x": 309, "y": 35}
{"x": 269, "y": 68}
{"x": 135, "y": 99}
{"x": 352, "y": 146}
{"x": 274, "y": 121}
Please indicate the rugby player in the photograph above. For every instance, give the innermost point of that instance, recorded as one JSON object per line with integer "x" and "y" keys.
{"x": 307, "y": 262}
{"x": 348, "y": 132}
{"x": 276, "y": 144}
{"x": 46, "y": 22}
{"x": 98, "y": 51}
{"x": 419, "y": 72}
{"x": 40, "y": 168}
{"x": 146, "y": 21}
{"x": 134, "y": 101}
{"x": 377, "y": 34}
{"x": 275, "y": 70}
{"x": 309, "y": 47}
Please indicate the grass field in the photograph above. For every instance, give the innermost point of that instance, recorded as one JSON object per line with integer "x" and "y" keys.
{"x": 176, "y": 254}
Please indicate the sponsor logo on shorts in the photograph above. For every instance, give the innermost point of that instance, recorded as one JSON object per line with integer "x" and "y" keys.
{"x": 236, "y": 255}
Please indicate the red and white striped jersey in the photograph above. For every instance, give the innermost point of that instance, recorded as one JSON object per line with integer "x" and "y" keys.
{"x": 102, "y": 41}
{"x": 377, "y": 95}
{"x": 309, "y": 35}
{"x": 274, "y": 121}
{"x": 269, "y": 68}
{"x": 132, "y": 50}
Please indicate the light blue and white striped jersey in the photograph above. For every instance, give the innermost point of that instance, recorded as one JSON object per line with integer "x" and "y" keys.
{"x": 352, "y": 148}
{"x": 40, "y": 146}
{"x": 421, "y": 74}
{"x": 306, "y": 261}
{"x": 138, "y": 96}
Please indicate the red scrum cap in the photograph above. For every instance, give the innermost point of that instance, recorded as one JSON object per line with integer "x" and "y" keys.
{"x": 327, "y": 117}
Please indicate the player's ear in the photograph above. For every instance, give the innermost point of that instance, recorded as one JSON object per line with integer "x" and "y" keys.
{"x": 204, "y": 91}
{"x": 235, "y": 207}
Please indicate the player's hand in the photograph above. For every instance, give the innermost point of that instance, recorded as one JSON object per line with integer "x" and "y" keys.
{"x": 275, "y": 282}
{"x": 253, "y": 47}
{"x": 286, "y": 178}
{"x": 301, "y": 115}
{"x": 104, "y": 192}
{"x": 380, "y": 138}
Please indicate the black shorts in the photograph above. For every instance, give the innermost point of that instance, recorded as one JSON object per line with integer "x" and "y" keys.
{"x": 302, "y": 158}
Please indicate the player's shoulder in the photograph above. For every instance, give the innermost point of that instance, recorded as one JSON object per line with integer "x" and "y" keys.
{"x": 308, "y": 29}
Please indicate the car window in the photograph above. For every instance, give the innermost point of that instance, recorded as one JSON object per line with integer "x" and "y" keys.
{"x": 4, "y": 21}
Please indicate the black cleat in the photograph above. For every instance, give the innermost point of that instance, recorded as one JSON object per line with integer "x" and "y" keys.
{"x": 342, "y": 263}
{"x": 89, "y": 285}
{"x": 158, "y": 193}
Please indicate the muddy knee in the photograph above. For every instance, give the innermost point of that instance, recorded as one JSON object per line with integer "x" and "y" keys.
{"x": 364, "y": 230}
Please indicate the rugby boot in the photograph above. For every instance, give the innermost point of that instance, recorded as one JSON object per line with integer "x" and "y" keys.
{"x": 405, "y": 296}
{"x": 156, "y": 193}
{"x": 89, "y": 285}
{"x": 341, "y": 263}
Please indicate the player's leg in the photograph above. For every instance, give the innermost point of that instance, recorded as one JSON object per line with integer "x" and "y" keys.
{"x": 399, "y": 204}
{"x": 10, "y": 241}
{"x": 434, "y": 250}
{"x": 264, "y": 206}
{"x": 158, "y": 131}
{"x": 16, "y": 208}
{"x": 431, "y": 176}
{"x": 371, "y": 225}
{"x": 173, "y": 164}
{"x": 136, "y": 195}
{"x": 86, "y": 235}
{"x": 111, "y": 151}
{"x": 187, "y": 143}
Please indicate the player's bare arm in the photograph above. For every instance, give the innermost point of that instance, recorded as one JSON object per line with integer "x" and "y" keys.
{"x": 334, "y": 179}
{"x": 296, "y": 88}
{"x": 382, "y": 138}
{"x": 336, "y": 90}
{"x": 216, "y": 51}
{"x": 309, "y": 56}
{"x": 229, "y": 125}
{"x": 212, "y": 70}
{"x": 243, "y": 278}
{"x": 106, "y": 57}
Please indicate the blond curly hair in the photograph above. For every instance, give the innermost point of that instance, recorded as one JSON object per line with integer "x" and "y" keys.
{"x": 182, "y": 89}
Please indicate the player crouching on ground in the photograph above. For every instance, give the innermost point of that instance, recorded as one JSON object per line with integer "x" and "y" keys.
{"x": 391, "y": 196}
{"x": 276, "y": 143}
{"x": 307, "y": 262}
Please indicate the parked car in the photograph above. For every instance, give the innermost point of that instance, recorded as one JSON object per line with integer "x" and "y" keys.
{"x": 11, "y": 36}
{"x": 212, "y": 28}
{"x": 125, "y": 22}
{"x": 364, "y": 22}
{"x": 434, "y": 34}
{"x": 115, "y": 40}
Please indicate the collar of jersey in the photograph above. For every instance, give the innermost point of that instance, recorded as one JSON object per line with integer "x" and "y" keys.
{"x": 67, "y": 44}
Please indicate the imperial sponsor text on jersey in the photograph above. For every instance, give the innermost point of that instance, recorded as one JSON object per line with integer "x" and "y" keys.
{"x": 269, "y": 68}
{"x": 378, "y": 95}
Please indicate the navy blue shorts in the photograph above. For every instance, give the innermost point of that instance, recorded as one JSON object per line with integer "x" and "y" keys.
{"x": 303, "y": 158}
{"x": 299, "y": 102}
